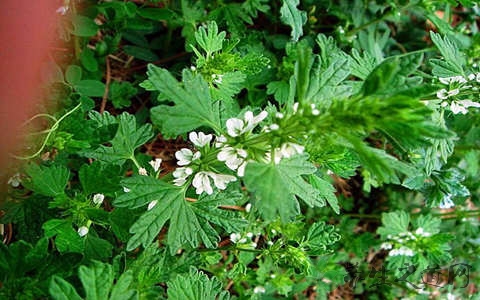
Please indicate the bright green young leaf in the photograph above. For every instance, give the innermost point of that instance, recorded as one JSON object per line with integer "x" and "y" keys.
{"x": 196, "y": 286}
{"x": 97, "y": 280}
{"x": 193, "y": 104}
{"x": 128, "y": 138}
{"x": 62, "y": 290}
{"x": 277, "y": 187}
{"x": 66, "y": 238}
{"x": 327, "y": 191}
{"x": 394, "y": 223}
{"x": 293, "y": 17}
{"x": 209, "y": 39}
{"x": 48, "y": 181}
{"x": 320, "y": 238}
{"x": 189, "y": 223}
{"x": 454, "y": 58}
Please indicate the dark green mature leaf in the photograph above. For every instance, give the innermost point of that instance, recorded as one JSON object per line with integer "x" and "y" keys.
{"x": 67, "y": 239}
{"x": 48, "y": 181}
{"x": 84, "y": 26}
{"x": 140, "y": 53}
{"x": 98, "y": 178}
{"x": 277, "y": 186}
{"x": 193, "y": 104}
{"x": 126, "y": 140}
{"x": 196, "y": 286}
{"x": 97, "y": 248}
{"x": 62, "y": 290}
{"x": 292, "y": 16}
{"x": 73, "y": 74}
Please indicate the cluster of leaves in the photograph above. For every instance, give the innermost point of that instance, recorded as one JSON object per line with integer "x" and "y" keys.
{"x": 354, "y": 155}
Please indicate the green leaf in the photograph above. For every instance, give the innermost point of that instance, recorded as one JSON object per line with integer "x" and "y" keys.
{"x": 97, "y": 280}
{"x": 276, "y": 187}
{"x": 99, "y": 178}
{"x": 193, "y": 104}
{"x": 90, "y": 88}
{"x": 155, "y": 14}
{"x": 120, "y": 93}
{"x": 454, "y": 58}
{"x": 48, "y": 181}
{"x": 121, "y": 290}
{"x": 327, "y": 191}
{"x": 196, "y": 286}
{"x": 97, "y": 248}
{"x": 67, "y": 239}
{"x": 88, "y": 60}
{"x": 320, "y": 238}
{"x": 60, "y": 289}
{"x": 73, "y": 74}
{"x": 83, "y": 26}
{"x": 188, "y": 222}
{"x": 126, "y": 140}
{"x": 292, "y": 16}
{"x": 210, "y": 39}
{"x": 394, "y": 223}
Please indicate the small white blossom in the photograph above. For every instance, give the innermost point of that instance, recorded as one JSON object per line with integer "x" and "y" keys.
{"x": 315, "y": 112}
{"x": 421, "y": 232}
{"x": 221, "y": 180}
{"x": 448, "y": 80}
{"x": 232, "y": 157}
{"x": 201, "y": 182}
{"x": 259, "y": 290}
{"x": 220, "y": 141}
{"x": 447, "y": 202}
{"x": 62, "y": 10}
{"x": 193, "y": 68}
{"x": 270, "y": 243}
{"x": 249, "y": 235}
{"x": 156, "y": 164}
{"x": 241, "y": 169}
{"x": 98, "y": 198}
{"x": 234, "y": 127}
{"x": 279, "y": 115}
{"x": 295, "y": 107}
{"x": 461, "y": 106}
{"x": 15, "y": 180}
{"x": 142, "y": 171}
{"x": 289, "y": 149}
{"x": 274, "y": 127}
{"x": 386, "y": 246}
{"x": 405, "y": 251}
{"x": 200, "y": 139}
{"x": 82, "y": 231}
{"x": 126, "y": 190}
{"x": 235, "y": 237}
{"x": 248, "y": 207}
{"x": 251, "y": 121}
{"x": 442, "y": 94}
{"x": 186, "y": 156}
{"x": 217, "y": 78}
{"x": 152, "y": 204}
{"x": 450, "y": 296}
{"x": 453, "y": 92}
{"x": 254, "y": 245}
{"x": 181, "y": 175}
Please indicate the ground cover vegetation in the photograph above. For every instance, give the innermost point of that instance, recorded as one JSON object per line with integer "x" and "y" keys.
{"x": 251, "y": 150}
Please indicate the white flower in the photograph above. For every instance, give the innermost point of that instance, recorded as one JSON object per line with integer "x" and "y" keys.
{"x": 251, "y": 121}
{"x": 82, "y": 231}
{"x": 453, "y": 92}
{"x": 315, "y": 112}
{"x": 248, "y": 207}
{"x": 249, "y": 235}
{"x": 295, "y": 107}
{"x": 181, "y": 175}
{"x": 186, "y": 156}
{"x": 220, "y": 140}
{"x": 232, "y": 157}
{"x": 471, "y": 77}
{"x": 448, "y": 80}
{"x": 450, "y": 296}
{"x": 279, "y": 115}
{"x": 98, "y": 198}
{"x": 405, "y": 251}
{"x": 442, "y": 94}
{"x": 289, "y": 149}
{"x": 270, "y": 243}
{"x": 126, "y": 190}
{"x": 386, "y": 246}
{"x": 193, "y": 68}
{"x": 202, "y": 183}
{"x": 277, "y": 158}
{"x": 462, "y": 106}
{"x": 201, "y": 139}
{"x": 221, "y": 180}
{"x": 217, "y": 78}
{"x": 447, "y": 202}
{"x": 62, "y": 10}
{"x": 241, "y": 169}
{"x": 477, "y": 77}
{"x": 235, "y": 237}
{"x": 156, "y": 164}
{"x": 142, "y": 171}
{"x": 15, "y": 180}
{"x": 274, "y": 127}
{"x": 234, "y": 127}
{"x": 152, "y": 204}
{"x": 421, "y": 232}
{"x": 259, "y": 290}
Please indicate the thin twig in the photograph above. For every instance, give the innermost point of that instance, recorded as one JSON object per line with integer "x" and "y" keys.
{"x": 230, "y": 207}
{"x": 107, "y": 86}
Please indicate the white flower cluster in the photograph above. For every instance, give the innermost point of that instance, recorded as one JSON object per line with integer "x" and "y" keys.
{"x": 15, "y": 180}
{"x": 405, "y": 251}
{"x": 285, "y": 151}
{"x": 457, "y": 106}
{"x": 421, "y": 232}
{"x": 98, "y": 198}
{"x": 237, "y": 238}
{"x": 201, "y": 180}
{"x": 446, "y": 202}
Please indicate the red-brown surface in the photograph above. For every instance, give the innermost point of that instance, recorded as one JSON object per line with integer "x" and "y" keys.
{"x": 27, "y": 30}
